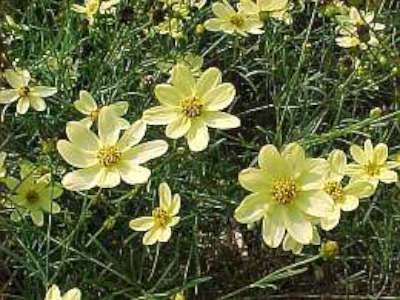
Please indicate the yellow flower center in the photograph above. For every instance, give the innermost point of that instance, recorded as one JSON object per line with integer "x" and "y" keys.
{"x": 192, "y": 107}
{"x": 371, "y": 169}
{"x": 237, "y": 20}
{"x": 94, "y": 114}
{"x": 109, "y": 156}
{"x": 161, "y": 217}
{"x": 32, "y": 197}
{"x": 92, "y": 7}
{"x": 23, "y": 91}
{"x": 335, "y": 190}
{"x": 284, "y": 190}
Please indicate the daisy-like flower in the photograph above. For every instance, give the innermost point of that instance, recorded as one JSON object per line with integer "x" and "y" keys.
{"x": 188, "y": 106}
{"x": 92, "y": 7}
{"x": 172, "y": 27}
{"x": 358, "y": 29}
{"x": 276, "y": 9}
{"x": 290, "y": 244}
{"x": 87, "y": 106}
{"x": 231, "y": 21}
{"x": 53, "y": 293}
{"x": 106, "y": 159}
{"x": 345, "y": 198}
{"x": 287, "y": 193}
{"x": 3, "y": 170}
{"x": 158, "y": 226}
{"x": 371, "y": 164}
{"x": 32, "y": 195}
{"x": 23, "y": 93}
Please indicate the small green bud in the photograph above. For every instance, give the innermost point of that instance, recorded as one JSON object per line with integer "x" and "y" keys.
{"x": 329, "y": 250}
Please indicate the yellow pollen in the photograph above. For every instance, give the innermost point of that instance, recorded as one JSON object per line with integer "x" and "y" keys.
{"x": 161, "y": 217}
{"x": 32, "y": 197}
{"x": 23, "y": 91}
{"x": 284, "y": 190}
{"x": 371, "y": 169}
{"x": 109, "y": 156}
{"x": 237, "y": 20}
{"x": 335, "y": 190}
{"x": 192, "y": 107}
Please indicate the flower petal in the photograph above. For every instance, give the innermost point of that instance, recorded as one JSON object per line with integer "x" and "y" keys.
{"x": 380, "y": 153}
{"x": 37, "y": 103}
{"x": 133, "y": 174}
{"x": 108, "y": 131}
{"x": 82, "y": 180}
{"x": 109, "y": 178}
{"x": 37, "y": 217}
{"x": 165, "y": 234}
{"x": 290, "y": 244}
{"x": 132, "y": 136}
{"x": 198, "y": 136}
{"x": 53, "y": 293}
{"x": 160, "y": 115}
{"x": 208, "y": 80}
{"x": 82, "y": 137}
{"x": 388, "y": 176}
{"x": 178, "y": 127}
{"x": 8, "y": 96}
{"x": 16, "y": 79}
{"x": 175, "y": 205}
{"x": 331, "y": 220}
{"x": 223, "y": 10}
{"x": 152, "y": 236}
{"x": 72, "y": 294}
{"x": 86, "y": 103}
{"x": 23, "y": 105}
{"x": 271, "y": 160}
{"x": 220, "y": 120}
{"x": 168, "y": 95}
{"x": 43, "y": 91}
{"x": 273, "y": 229}
{"x": 315, "y": 203}
{"x": 165, "y": 196}
{"x": 297, "y": 225}
{"x": 144, "y": 152}
{"x": 254, "y": 180}
{"x": 142, "y": 223}
{"x": 349, "y": 203}
{"x": 75, "y": 156}
{"x": 182, "y": 78}
{"x": 359, "y": 189}
{"x": 220, "y": 97}
{"x": 358, "y": 154}
{"x": 252, "y": 208}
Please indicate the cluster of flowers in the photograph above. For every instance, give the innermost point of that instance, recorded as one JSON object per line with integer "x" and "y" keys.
{"x": 293, "y": 195}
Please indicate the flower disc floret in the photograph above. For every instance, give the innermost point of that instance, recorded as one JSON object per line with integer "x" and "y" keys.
{"x": 284, "y": 190}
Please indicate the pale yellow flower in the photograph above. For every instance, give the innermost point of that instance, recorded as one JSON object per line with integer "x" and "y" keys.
{"x": 371, "y": 164}
{"x": 22, "y": 92}
{"x": 92, "y": 7}
{"x": 87, "y": 106}
{"x": 287, "y": 192}
{"x": 276, "y": 9}
{"x": 106, "y": 159}
{"x": 54, "y": 293}
{"x": 358, "y": 29}
{"x": 231, "y": 21}
{"x": 32, "y": 195}
{"x": 172, "y": 27}
{"x": 3, "y": 170}
{"x": 158, "y": 226}
{"x": 190, "y": 106}
{"x": 345, "y": 198}
{"x": 290, "y": 244}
